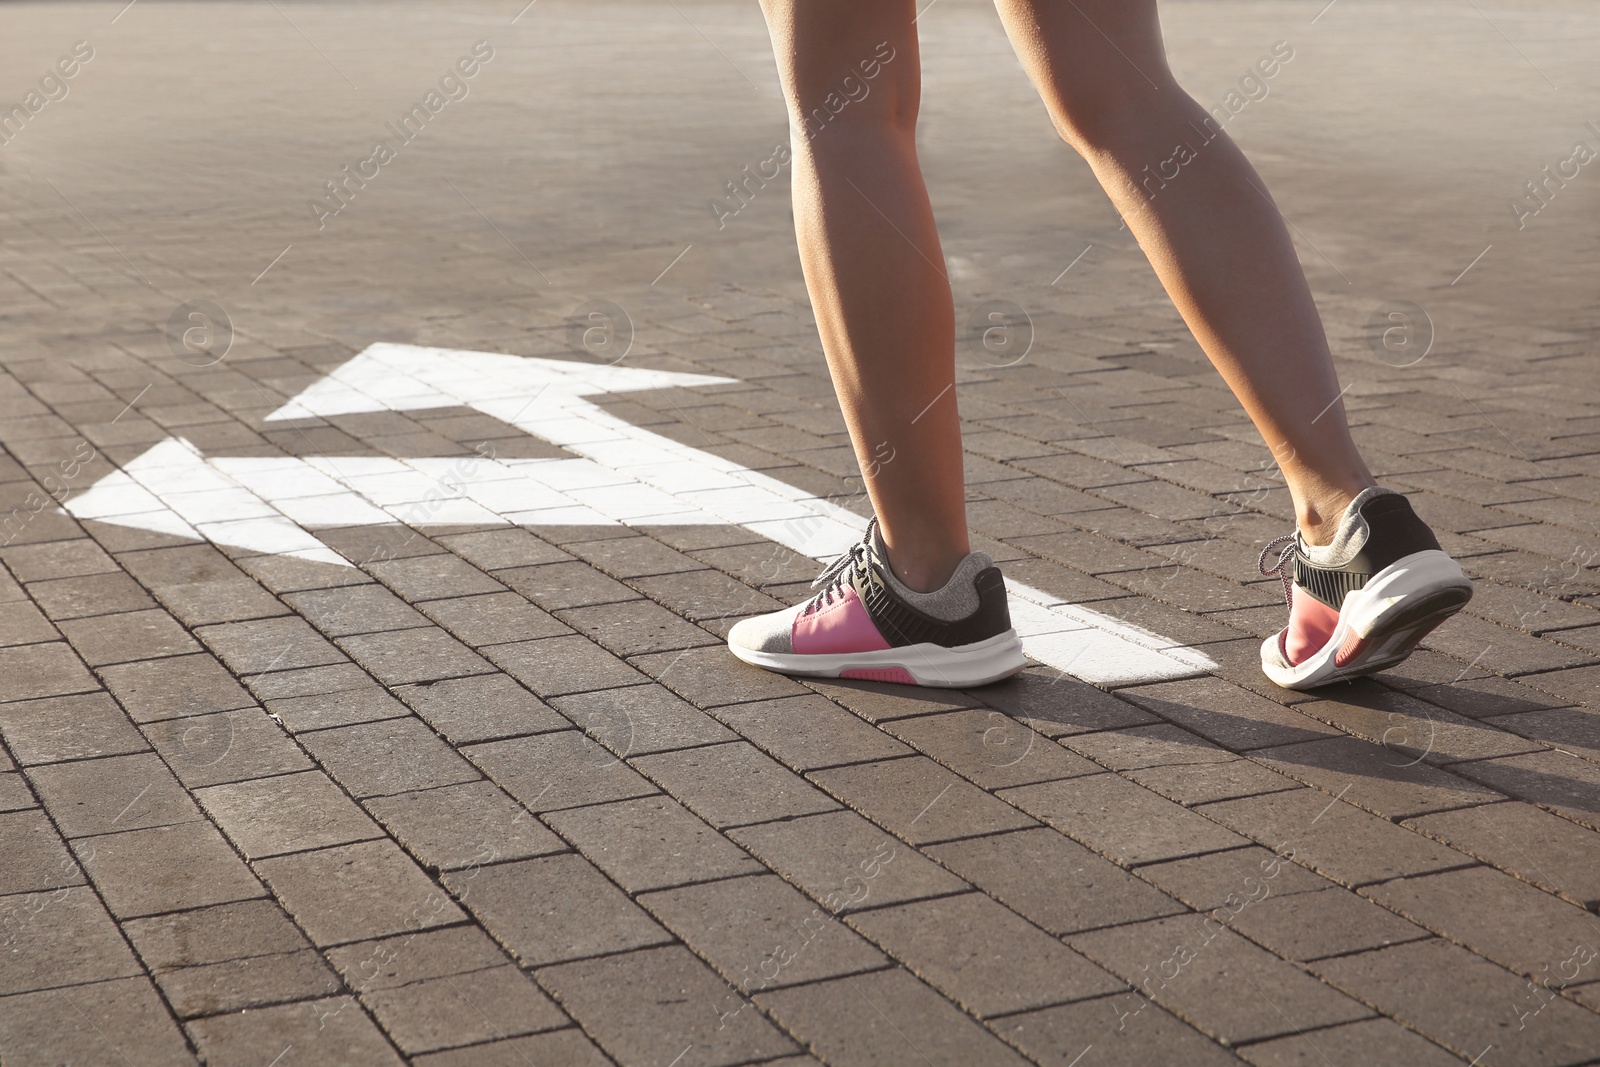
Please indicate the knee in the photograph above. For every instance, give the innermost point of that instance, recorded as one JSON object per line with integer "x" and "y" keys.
{"x": 874, "y": 93}
{"x": 1100, "y": 118}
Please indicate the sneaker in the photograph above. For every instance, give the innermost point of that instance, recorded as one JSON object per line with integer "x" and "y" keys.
{"x": 864, "y": 622}
{"x": 1361, "y": 603}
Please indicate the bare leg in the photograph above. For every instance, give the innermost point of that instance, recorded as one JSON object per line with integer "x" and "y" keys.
{"x": 873, "y": 265}
{"x": 1216, "y": 240}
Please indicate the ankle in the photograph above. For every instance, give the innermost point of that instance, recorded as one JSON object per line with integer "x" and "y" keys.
{"x": 1319, "y": 515}
{"x": 923, "y": 568}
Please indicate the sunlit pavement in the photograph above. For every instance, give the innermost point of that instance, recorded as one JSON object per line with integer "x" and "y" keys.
{"x": 402, "y": 401}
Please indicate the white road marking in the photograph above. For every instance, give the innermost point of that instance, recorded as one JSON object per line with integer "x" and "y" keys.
{"x": 622, "y": 474}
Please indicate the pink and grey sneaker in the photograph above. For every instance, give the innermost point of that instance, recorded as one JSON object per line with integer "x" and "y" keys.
{"x": 864, "y": 622}
{"x": 1361, "y": 603}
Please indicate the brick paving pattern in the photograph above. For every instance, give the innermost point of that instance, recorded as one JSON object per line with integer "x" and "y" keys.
{"x": 460, "y": 792}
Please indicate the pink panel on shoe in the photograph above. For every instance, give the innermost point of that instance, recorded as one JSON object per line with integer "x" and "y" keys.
{"x": 1311, "y": 624}
{"x": 843, "y": 626}
{"x": 881, "y": 674}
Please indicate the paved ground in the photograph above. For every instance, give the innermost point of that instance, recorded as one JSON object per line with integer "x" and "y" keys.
{"x": 474, "y": 790}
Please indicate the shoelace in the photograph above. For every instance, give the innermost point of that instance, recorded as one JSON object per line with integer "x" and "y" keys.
{"x": 1281, "y": 569}
{"x": 831, "y": 580}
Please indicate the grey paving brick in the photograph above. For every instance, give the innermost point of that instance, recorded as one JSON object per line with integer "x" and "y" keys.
{"x": 553, "y": 586}
{"x": 28, "y": 672}
{"x": 165, "y": 868}
{"x": 269, "y": 645}
{"x": 115, "y": 793}
{"x": 1226, "y": 878}
{"x": 844, "y": 862}
{"x": 1465, "y": 1002}
{"x": 247, "y": 983}
{"x": 733, "y": 784}
{"x": 1493, "y": 914}
{"x": 1411, "y": 726}
{"x": 1575, "y": 730}
{"x": 201, "y": 586}
{"x": 344, "y": 708}
{"x": 666, "y": 991}
{"x": 403, "y": 960}
{"x": 808, "y": 732}
{"x": 651, "y": 843}
{"x": 432, "y": 577}
{"x": 554, "y": 908}
{"x": 451, "y": 1010}
{"x": 1121, "y": 1031}
{"x": 641, "y": 719}
{"x": 635, "y": 627}
{"x": 14, "y": 792}
{"x": 417, "y": 655}
{"x": 498, "y": 549}
{"x": 23, "y": 624}
{"x": 710, "y": 677}
{"x": 990, "y": 748}
{"x": 214, "y": 934}
{"x": 1208, "y": 963}
{"x": 1367, "y": 1041}
{"x": 553, "y": 666}
{"x": 121, "y": 1021}
{"x": 493, "y": 619}
{"x": 1388, "y": 781}
{"x": 1056, "y": 705}
{"x": 1328, "y": 922}
{"x": 286, "y": 813}
{"x": 1146, "y": 746}
{"x": 1221, "y": 713}
{"x": 225, "y": 747}
{"x": 60, "y": 938}
{"x": 333, "y": 1030}
{"x": 173, "y": 687}
{"x": 463, "y": 825}
{"x": 357, "y": 609}
{"x": 35, "y": 858}
{"x": 1053, "y": 881}
{"x": 57, "y": 559}
{"x": 480, "y": 708}
{"x": 1120, "y": 819}
{"x": 704, "y": 596}
{"x": 92, "y": 594}
{"x": 558, "y": 1048}
{"x": 307, "y": 681}
{"x": 1534, "y": 845}
{"x": 919, "y": 800}
{"x": 558, "y": 770}
{"x": 133, "y": 635}
{"x": 387, "y": 756}
{"x": 71, "y": 727}
{"x": 356, "y": 892}
{"x": 983, "y": 956}
{"x": 1333, "y": 838}
{"x": 883, "y": 1017}
{"x": 1566, "y": 784}
{"x": 762, "y": 933}
{"x": 1198, "y": 783}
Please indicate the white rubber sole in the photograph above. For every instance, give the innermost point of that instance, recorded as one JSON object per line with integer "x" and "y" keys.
{"x": 1383, "y": 621}
{"x": 932, "y": 665}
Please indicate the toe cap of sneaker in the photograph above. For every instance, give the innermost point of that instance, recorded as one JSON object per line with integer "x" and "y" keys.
{"x": 772, "y": 632}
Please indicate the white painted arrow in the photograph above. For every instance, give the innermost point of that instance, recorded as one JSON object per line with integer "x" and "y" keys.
{"x": 623, "y": 475}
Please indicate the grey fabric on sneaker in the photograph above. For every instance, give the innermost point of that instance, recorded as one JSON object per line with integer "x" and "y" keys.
{"x": 1352, "y": 535}
{"x": 958, "y": 598}
{"x": 773, "y": 632}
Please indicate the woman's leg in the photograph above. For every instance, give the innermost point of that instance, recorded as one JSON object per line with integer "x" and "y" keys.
{"x": 873, "y": 265}
{"x": 1215, "y": 238}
